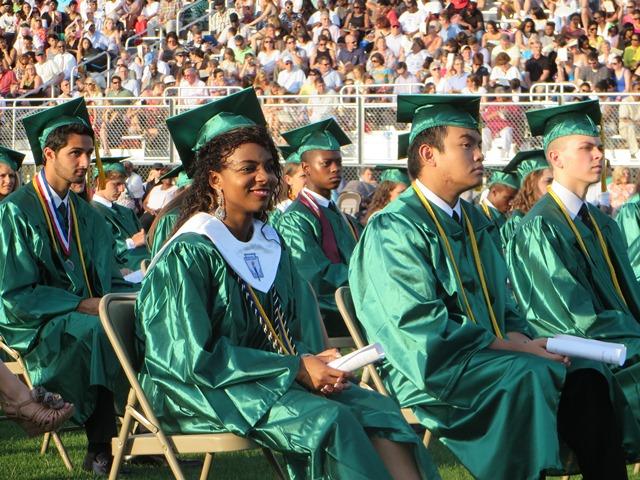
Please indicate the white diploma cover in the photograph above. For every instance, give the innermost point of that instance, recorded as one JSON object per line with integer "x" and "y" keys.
{"x": 606, "y": 352}
{"x": 358, "y": 359}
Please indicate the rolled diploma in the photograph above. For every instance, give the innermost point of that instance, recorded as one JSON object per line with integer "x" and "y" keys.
{"x": 607, "y": 352}
{"x": 358, "y": 359}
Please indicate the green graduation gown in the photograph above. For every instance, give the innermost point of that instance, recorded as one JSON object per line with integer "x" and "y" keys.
{"x": 481, "y": 403}
{"x": 302, "y": 232}
{"x": 628, "y": 219}
{"x": 208, "y": 367}
{"x": 497, "y": 219}
{"x": 510, "y": 226}
{"x": 124, "y": 224}
{"x": 163, "y": 229}
{"x": 66, "y": 351}
{"x": 581, "y": 299}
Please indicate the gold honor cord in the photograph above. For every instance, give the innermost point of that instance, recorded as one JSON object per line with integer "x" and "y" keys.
{"x": 583, "y": 247}
{"x": 286, "y": 345}
{"x": 485, "y": 209}
{"x": 76, "y": 231}
{"x": 476, "y": 258}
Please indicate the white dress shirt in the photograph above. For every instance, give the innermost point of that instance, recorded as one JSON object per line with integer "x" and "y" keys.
{"x": 438, "y": 202}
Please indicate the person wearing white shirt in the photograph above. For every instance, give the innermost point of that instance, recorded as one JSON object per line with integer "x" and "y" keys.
{"x": 503, "y": 72}
{"x": 191, "y": 86}
{"x": 405, "y": 82}
{"x": 416, "y": 56}
{"x": 411, "y": 19}
{"x": 98, "y": 40}
{"x": 47, "y": 69}
{"x": 331, "y": 78}
{"x": 315, "y": 17}
{"x": 291, "y": 78}
{"x": 398, "y": 42}
{"x": 458, "y": 80}
{"x": 64, "y": 61}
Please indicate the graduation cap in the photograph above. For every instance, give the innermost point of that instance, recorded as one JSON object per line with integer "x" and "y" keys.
{"x": 183, "y": 179}
{"x": 525, "y": 162}
{"x": 509, "y": 179}
{"x": 578, "y": 118}
{"x": 11, "y": 158}
{"x": 289, "y": 153}
{"x": 41, "y": 124}
{"x": 111, "y": 164}
{"x": 323, "y": 135}
{"x": 428, "y": 111}
{"x": 193, "y": 129}
{"x": 394, "y": 174}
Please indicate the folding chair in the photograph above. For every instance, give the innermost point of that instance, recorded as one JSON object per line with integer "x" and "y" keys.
{"x": 118, "y": 319}
{"x": 347, "y": 310}
{"x": 349, "y": 203}
{"x": 19, "y": 369}
{"x": 144, "y": 265}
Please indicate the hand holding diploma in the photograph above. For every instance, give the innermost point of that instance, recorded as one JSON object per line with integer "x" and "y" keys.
{"x": 606, "y": 352}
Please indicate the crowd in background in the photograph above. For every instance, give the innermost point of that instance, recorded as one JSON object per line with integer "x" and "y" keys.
{"x": 324, "y": 48}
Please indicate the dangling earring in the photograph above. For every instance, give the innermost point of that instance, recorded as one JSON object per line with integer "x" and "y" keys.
{"x": 220, "y": 212}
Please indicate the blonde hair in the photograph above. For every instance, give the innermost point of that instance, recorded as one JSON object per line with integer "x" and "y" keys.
{"x": 617, "y": 174}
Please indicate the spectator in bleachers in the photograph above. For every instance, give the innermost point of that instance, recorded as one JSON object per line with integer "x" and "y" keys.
{"x": 330, "y": 76}
{"x": 492, "y": 35}
{"x": 192, "y": 87}
{"x": 416, "y": 57}
{"x": 456, "y": 79}
{"x": 506, "y": 46}
{"x": 64, "y": 61}
{"x": 48, "y": 70}
{"x": 380, "y": 47}
{"x": 167, "y": 15}
{"x": 524, "y": 34}
{"x": 503, "y": 71}
{"x": 629, "y": 114}
{"x": 594, "y": 71}
{"x": 498, "y": 124}
{"x": 219, "y": 20}
{"x": 8, "y": 54}
{"x": 7, "y": 78}
{"x": 31, "y": 83}
{"x": 405, "y": 82}
{"x": 620, "y": 75}
{"x": 631, "y": 55}
{"x": 538, "y": 68}
{"x": 351, "y": 55}
{"x": 291, "y": 78}
{"x": 268, "y": 56}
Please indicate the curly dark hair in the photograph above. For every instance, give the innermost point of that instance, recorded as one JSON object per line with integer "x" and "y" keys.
{"x": 59, "y": 137}
{"x": 380, "y": 198}
{"x": 528, "y": 194}
{"x": 213, "y": 157}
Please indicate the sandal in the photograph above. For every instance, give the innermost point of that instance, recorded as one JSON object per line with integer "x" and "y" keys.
{"x": 51, "y": 413}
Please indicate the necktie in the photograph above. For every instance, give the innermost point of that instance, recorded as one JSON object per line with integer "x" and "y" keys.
{"x": 64, "y": 223}
{"x": 333, "y": 207}
{"x": 583, "y": 213}
{"x": 455, "y": 217}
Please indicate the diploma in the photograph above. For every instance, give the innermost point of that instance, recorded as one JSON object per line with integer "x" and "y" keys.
{"x": 606, "y": 352}
{"x": 358, "y": 359}
{"x": 134, "y": 277}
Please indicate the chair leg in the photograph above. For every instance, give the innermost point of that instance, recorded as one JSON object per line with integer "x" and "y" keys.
{"x": 426, "y": 440}
{"x": 45, "y": 443}
{"x": 206, "y": 466}
{"x": 566, "y": 477}
{"x": 121, "y": 443}
{"x": 274, "y": 463}
{"x": 62, "y": 451}
{"x": 636, "y": 468}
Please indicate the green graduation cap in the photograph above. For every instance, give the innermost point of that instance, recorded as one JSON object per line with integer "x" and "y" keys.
{"x": 193, "y": 129}
{"x": 578, "y": 118}
{"x": 111, "y": 164}
{"x": 11, "y": 158}
{"x": 41, "y": 124}
{"x": 183, "y": 180}
{"x": 323, "y": 135}
{"x": 289, "y": 153}
{"x": 525, "y": 162}
{"x": 428, "y": 111}
{"x": 393, "y": 174}
{"x": 403, "y": 145}
{"x": 509, "y": 179}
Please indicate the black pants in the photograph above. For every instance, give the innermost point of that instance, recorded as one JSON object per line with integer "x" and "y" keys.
{"x": 587, "y": 423}
{"x": 100, "y": 427}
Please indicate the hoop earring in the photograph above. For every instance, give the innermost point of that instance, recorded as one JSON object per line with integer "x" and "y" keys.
{"x": 220, "y": 212}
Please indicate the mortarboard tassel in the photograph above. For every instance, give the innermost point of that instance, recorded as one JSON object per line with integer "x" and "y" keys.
{"x": 101, "y": 178}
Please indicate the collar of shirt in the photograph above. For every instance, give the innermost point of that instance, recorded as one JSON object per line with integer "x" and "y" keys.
{"x": 438, "y": 202}
{"x": 320, "y": 200}
{"x": 101, "y": 200}
{"x": 54, "y": 196}
{"x": 571, "y": 201}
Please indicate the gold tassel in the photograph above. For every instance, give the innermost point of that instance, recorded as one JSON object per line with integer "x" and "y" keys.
{"x": 101, "y": 178}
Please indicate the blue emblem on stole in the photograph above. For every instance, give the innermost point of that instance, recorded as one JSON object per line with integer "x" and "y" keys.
{"x": 253, "y": 263}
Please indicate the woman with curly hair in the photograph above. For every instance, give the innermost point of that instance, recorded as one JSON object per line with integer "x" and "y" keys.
{"x": 535, "y": 176}
{"x": 392, "y": 183}
{"x": 224, "y": 319}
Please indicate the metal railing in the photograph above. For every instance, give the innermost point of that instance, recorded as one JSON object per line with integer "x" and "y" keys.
{"x": 186, "y": 8}
{"x": 137, "y": 127}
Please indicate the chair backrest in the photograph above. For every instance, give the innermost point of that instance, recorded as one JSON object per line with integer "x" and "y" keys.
{"x": 117, "y": 315}
{"x": 349, "y": 203}
{"x": 16, "y": 364}
{"x": 144, "y": 265}
{"x": 348, "y": 312}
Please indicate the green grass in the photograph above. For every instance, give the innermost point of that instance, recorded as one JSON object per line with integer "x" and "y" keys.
{"x": 20, "y": 459}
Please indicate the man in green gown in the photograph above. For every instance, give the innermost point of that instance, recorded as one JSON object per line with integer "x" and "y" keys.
{"x": 503, "y": 187}
{"x": 523, "y": 164}
{"x": 57, "y": 261}
{"x": 628, "y": 219}
{"x": 429, "y": 283}
{"x": 127, "y": 231}
{"x": 568, "y": 261}
{"x": 162, "y": 226}
{"x": 208, "y": 364}
{"x": 319, "y": 236}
